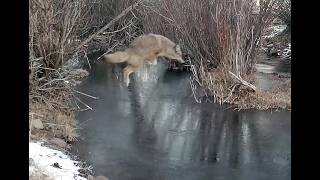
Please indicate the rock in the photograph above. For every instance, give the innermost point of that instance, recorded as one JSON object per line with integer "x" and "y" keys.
{"x": 37, "y": 123}
{"x": 56, "y": 165}
{"x": 59, "y": 142}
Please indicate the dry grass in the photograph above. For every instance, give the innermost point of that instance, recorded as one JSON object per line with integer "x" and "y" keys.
{"x": 50, "y": 101}
{"x": 264, "y": 100}
{"x": 224, "y": 90}
{"x": 56, "y": 123}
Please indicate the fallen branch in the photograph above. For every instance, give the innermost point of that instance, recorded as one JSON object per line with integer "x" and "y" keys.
{"x": 123, "y": 13}
{"x": 243, "y": 81}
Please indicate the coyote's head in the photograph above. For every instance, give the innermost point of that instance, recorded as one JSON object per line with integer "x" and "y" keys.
{"x": 174, "y": 53}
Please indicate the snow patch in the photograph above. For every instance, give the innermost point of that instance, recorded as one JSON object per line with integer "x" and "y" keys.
{"x": 264, "y": 68}
{"x": 53, "y": 163}
{"x": 275, "y": 30}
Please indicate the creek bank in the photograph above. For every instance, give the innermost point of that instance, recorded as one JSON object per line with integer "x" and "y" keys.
{"x": 53, "y": 126}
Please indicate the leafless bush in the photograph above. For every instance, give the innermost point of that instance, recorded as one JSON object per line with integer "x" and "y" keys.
{"x": 56, "y": 30}
{"x": 52, "y": 29}
{"x": 58, "y": 26}
{"x": 215, "y": 34}
{"x": 53, "y": 99}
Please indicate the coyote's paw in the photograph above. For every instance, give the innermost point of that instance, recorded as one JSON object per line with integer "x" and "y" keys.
{"x": 154, "y": 62}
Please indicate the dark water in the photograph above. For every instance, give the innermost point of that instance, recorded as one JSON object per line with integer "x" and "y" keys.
{"x": 154, "y": 130}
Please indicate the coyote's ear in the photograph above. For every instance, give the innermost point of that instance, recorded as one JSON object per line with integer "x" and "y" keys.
{"x": 178, "y": 49}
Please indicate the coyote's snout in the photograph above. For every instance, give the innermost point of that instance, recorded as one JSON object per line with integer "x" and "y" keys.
{"x": 145, "y": 48}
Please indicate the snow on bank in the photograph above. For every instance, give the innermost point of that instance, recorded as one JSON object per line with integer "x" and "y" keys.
{"x": 55, "y": 164}
{"x": 264, "y": 68}
{"x": 274, "y": 30}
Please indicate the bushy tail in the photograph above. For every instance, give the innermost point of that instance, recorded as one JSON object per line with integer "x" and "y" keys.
{"x": 117, "y": 57}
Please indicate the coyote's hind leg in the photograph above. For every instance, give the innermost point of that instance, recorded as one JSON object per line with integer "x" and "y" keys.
{"x": 127, "y": 71}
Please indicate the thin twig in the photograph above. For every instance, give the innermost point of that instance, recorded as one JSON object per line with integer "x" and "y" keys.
{"x": 86, "y": 94}
{"x": 233, "y": 88}
{"x": 119, "y": 30}
{"x": 85, "y": 54}
{"x": 83, "y": 103}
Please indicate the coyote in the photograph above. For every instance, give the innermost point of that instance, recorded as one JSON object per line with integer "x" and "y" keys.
{"x": 145, "y": 48}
